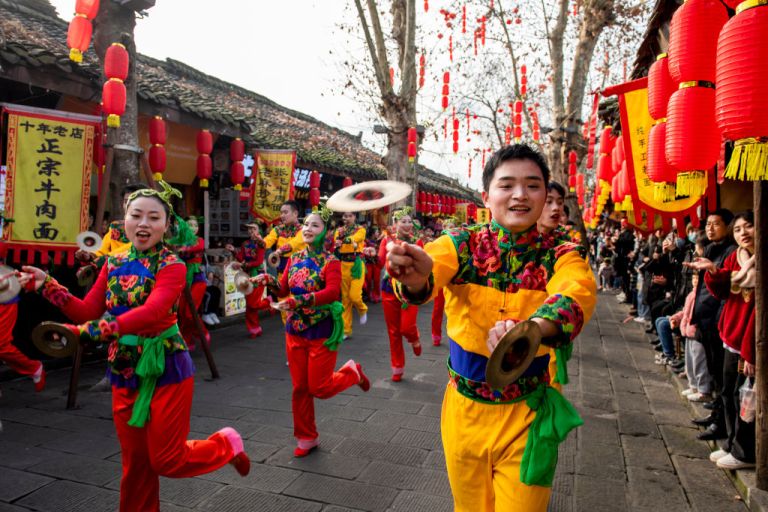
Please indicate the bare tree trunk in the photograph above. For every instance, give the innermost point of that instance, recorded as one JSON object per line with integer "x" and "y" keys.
{"x": 761, "y": 332}
{"x": 397, "y": 109}
{"x": 115, "y": 24}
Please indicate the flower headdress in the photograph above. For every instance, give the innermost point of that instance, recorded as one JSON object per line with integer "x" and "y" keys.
{"x": 323, "y": 211}
{"x": 402, "y": 212}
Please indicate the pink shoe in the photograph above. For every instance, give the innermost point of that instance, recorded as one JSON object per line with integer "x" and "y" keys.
{"x": 365, "y": 383}
{"x": 304, "y": 448}
{"x": 40, "y": 384}
{"x": 255, "y": 333}
{"x": 436, "y": 340}
{"x": 240, "y": 460}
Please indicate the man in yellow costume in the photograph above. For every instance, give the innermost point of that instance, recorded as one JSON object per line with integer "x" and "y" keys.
{"x": 349, "y": 242}
{"x": 286, "y": 237}
{"x": 501, "y": 444}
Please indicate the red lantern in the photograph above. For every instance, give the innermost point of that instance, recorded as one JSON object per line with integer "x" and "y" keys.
{"x": 113, "y": 98}
{"x": 237, "y": 174}
{"x": 237, "y": 150}
{"x": 693, "y": 40}
{"x": 314, "y": 179}
{"x": 157, "y": 161}
{"x": 572, "y": 157}
{"x": 113, "y": 94}
{"x": 314, "y": 197}
{"x": 741, "y": 104}
{"x": 660, "y": 172}
{"x": 618, "y": 154}
{"x": 204, "y": 143}
{"x": 204, "y": 169}
{"x": 80, "y": 28}
{"x": 572, "y": 183}
{"x": 604, "y": 172}
{"x": 157, "y": 134}
{"x": 660, "y": 87}
{"x": 347, "y": 182}
{"x": 422, "y": 69}
{"x": 693, "y": 141}
{"x": 518, "y": 133}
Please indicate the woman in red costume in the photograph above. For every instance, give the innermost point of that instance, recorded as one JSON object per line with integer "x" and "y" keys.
{"x": 250, "y": 256}
{"x": 372, "y": 267}
{"x": 149, "y": 365}
{"x": 193, "y": 257}
{"x": 401, "y": 320}
{"x": 311, "y": 285}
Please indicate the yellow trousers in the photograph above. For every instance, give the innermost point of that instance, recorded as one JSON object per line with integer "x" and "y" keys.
{"x": 351, "y": 294}
{"x": 484, "y": 445}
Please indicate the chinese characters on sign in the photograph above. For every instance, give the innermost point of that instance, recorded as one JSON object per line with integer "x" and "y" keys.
{"x": 48, "y": 180}
{"x": 272, "y": 183}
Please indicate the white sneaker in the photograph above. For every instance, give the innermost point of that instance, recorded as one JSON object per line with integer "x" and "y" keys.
{"x": 731, "y": 462}
{"x": 620, "y": 297}
{"x": 346, "y": 337}
{"x": 687, "y": 392}
{"x": 215, "y": 318}
{"x": 364, "y": 318}
{"x": 639, "y": 319}
{"x": 207, "y": 319}
{"x": 717, "y": 455}
{"x": 700, "y": 397}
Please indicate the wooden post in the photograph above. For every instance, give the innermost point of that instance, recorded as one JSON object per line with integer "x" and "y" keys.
{"x": 101, "y": 200}
{"x": 761, "y": 331}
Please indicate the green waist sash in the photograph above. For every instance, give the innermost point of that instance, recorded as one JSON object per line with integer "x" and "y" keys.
{"x": 150, "y": 367}
{"x": 337, "y": 335}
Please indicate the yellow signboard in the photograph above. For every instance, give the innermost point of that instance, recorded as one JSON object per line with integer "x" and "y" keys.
{"x": 272, "y": 183}
{"x": 483, "y": 215}
{"x": 48, "y": 182}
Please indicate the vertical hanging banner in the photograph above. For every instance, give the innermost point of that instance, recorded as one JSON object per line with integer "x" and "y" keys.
{"x": 49, "y": 162}
{"x": 272, "y": 182}
{"x": 636, "y": 125}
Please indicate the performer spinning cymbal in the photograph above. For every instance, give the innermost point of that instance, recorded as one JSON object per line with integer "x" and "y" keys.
{"x": 149, "y": 366}
{"x": 499, "y": 442}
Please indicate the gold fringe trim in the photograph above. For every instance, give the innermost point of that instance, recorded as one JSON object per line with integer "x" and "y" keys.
{"x": 693, "y": 183}
{"x": 663, "y": 192}
{"x": 749, "y": 160}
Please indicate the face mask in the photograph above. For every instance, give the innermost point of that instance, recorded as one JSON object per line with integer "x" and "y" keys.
{"x": 692, "y": 238}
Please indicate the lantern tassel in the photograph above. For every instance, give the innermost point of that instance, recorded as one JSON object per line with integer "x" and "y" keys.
{"x": 75, "y": 55}
{"x": 113, "y": 121}
{"x": 692, "y": 184}
{"x": 664, "y": 192}
{"x": 203, "y": 183}
{"x": 749, "y": 160}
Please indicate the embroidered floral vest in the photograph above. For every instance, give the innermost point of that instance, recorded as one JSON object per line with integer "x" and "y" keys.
{"x": 307, "y": 275}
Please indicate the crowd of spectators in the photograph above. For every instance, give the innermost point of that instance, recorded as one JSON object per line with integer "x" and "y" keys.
{"x": 695, "y": 297}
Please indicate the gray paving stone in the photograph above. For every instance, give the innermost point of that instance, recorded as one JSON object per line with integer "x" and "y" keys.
{"x": 654, "y": 489}
{"x": 342, "y": 492}
{"x": 638, "y": 424}
{"x": 706, "y": 489}
{"x": 72, "y": 497}
{"x": 604, "y": 461}
{"x": 408, "y": 501}
{"x": 646, "y": 453}
{"x": 594, "y": 494}
{"x": 187, "y": 492}
{"x": 427, "y": 481}
{"x": 367, "y": 402}
{"x": 417, "y": 438}
{"x": 20, "y": 456}
{"x": 14, "y": 484}
{"x": 345, "y": 412}
{"x": 433, "y": 410}
{"x": 85, "y": 443}
{"x": 386, "y": 452}
{"x": 320, "y": 461}
{"x": 263, "y": 477}
{"x": 6, "y": 507}
{"x": 411, "y": 421}
{"x": 79, "y": 469}
{"x": 334, "y": 508}
{"x": 682, "y": 441}
{"x": 598, "y": 430}
{"x": 272, "y": 418}
{"x": 29, "y": 435}
{"x": 631, "y": 402}
{"x": 356, "y": 429}
{"x": 237, "y": 499}
{"x": 601, "y": 402}
{"x": 435, "y": 460}
{"x": 218, "y": 410}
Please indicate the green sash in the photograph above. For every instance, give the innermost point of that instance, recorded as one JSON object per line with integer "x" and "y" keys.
{"x": 337, "y": 336}
{"x": 150, "y": 367}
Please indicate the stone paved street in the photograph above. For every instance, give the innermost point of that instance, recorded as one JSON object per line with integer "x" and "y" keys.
{"x": 380, "y": 451}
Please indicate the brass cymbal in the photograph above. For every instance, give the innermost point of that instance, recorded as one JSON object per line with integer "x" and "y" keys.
{"x": 513, "y": 355}
{"x": 54, "y": 339}
{"x": 273, "y": 260}
{"x": 368, "y": 195}
{"x": 9, "y": 284}
{"x": 88, "y": 241}
{"x": 243, "y": 283}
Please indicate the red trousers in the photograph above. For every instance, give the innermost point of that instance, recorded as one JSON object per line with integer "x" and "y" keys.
{"x": 373, "y": 281}
{"x": 186, "y": 321}
{"x": 437, "y": 316}
{"x": 400, "y": 322}
{"x": 311, "y": 365}
{"x": 253, "y": 304}
{"x": 9, "y": 354}
{"x": 161, "y": 446}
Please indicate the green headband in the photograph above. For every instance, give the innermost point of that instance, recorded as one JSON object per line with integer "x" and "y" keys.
{"x": 323, "y": 211}
{"x": 163, "y": 195}
{"x": 402, "y": 212}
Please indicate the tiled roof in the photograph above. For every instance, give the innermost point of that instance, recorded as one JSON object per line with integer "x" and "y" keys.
{"x": 32, "y": 36}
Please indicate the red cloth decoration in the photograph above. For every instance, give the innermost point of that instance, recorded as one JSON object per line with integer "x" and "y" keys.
{"x": 693, "y": 40}
{"x": 660, "y": 87}
{"x": 741, "y": 104}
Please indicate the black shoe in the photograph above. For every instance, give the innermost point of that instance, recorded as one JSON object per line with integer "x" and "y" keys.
{"x": 658, "y": 348}
{"x": 708, "y": 405}
{"x": 713, "y": 433}
{"x": 650, "y": 330}
{"x": 653, "y": 340}
{"x": 706, "y": 421}
{"x": 678, "y": 364}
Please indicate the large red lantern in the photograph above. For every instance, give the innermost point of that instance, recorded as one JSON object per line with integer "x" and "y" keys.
{"x": 80, "y": 28}
{"x": 741, "y": 104}
{"x": 113, "y": 95}
{"x": 617, "y": 154}
{"x": 314, "y": 189}
{"x": 204, "y": 144}
{"x": 314, "y": 179}
{"x": 693, "y": 40}
{"x": 660, "y": 172}
{"x": 660, "y": 87}
{"x": 693, "y": 141}
{"x": 236, "y": 169}
{"x": 413, "y": 137}
{"x": 347, "y": 182}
